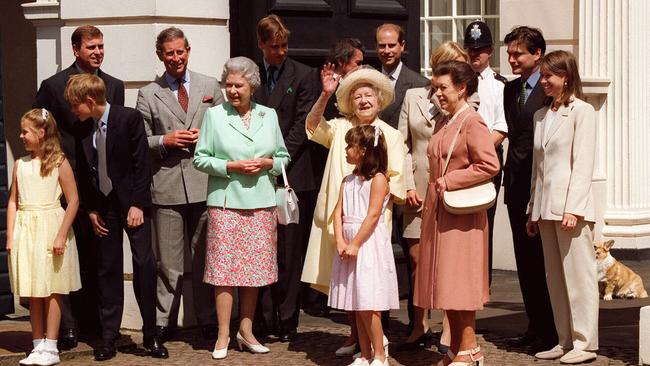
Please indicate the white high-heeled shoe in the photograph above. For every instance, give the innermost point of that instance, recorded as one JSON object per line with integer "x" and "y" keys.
{"x": 470, "y": 353}
{"x": 346, "y": 350}
{"x": 254, "y": 348}
{"x": 385, "y": 341}
{"x": 219, "y": 354}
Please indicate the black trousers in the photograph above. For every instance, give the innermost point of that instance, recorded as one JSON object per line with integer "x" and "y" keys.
{"x": 529, "y": 257}
{"x": 278, "y": 305}
{"x": 492, "y": 211}
{"x": 110, "y": 271}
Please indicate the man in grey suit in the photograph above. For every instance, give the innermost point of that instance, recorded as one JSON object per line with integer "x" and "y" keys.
{"x": 173, "y": 107}
{"x": 391, "y": 41}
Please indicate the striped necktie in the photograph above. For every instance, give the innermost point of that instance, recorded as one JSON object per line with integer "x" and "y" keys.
{"x": 522, "y": 95}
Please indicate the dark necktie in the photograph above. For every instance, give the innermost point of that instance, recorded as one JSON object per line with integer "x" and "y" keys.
{"x": 105, "y": 184}
{"x": 270, "y": 77}
{"x": 522, "y": 95}
{"x": 182, "y": 94}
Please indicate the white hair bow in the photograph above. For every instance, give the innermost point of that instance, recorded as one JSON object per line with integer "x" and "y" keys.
{"x": 44, "y": 113}
{"x": 377, "y": 133}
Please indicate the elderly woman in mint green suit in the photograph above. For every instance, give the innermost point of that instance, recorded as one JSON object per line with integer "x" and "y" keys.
{"x": 241, "y": 148}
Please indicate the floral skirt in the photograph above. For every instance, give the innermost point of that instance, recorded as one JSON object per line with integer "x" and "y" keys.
{"x": 241, "y": 247}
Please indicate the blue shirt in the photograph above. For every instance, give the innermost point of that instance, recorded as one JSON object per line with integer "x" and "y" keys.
{"x": 173, "y": 84}
{"x": 531, "y": 82}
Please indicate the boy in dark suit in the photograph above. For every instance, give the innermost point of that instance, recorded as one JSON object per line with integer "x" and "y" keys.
{"x": 114, "y": 184}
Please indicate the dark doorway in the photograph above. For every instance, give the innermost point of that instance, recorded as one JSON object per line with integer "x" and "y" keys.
{"x": 316, "y": 24}
{"x": 6, "y": 298}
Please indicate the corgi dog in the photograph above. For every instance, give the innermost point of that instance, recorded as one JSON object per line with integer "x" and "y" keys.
{"x": 615, "y": 278}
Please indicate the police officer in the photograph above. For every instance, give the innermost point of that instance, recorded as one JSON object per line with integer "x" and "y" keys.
{"x": 479, "y": 45}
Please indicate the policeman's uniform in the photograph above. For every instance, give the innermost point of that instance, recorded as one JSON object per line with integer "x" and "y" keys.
{"x": 490, "y": 92}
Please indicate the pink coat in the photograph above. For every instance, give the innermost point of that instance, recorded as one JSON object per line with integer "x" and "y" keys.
{"x": 453, "y": 269}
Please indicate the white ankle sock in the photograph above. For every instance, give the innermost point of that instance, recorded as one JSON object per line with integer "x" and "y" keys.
{"x": 50, "y": 345}
{"x": 37, "y": 342}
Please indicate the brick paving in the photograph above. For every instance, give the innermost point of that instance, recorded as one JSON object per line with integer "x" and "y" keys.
{"x": 318, "y": 338}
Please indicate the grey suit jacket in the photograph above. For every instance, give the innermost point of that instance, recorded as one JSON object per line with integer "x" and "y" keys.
{"x": 417, "y": 128}
{"x": 175, "y": 180}
{"x": 407, "y": 79}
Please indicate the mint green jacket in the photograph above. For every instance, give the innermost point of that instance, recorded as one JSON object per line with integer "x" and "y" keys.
{"x": 223, "y": 138}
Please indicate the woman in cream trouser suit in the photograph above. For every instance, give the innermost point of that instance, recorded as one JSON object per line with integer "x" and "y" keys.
{"x": 561, "y": 207}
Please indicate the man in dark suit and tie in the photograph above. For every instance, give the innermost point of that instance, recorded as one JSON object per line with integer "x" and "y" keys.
{"x": 88, "y": 48}
{"x": 173, "y": 107}
{"x": 522, "y": 98}
{"x": 391, "y": 41}
{"x": 115, "y": 175}
{"x": 290, "y": 88}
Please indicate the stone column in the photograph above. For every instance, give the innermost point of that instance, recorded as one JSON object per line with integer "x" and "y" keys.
{"x": 612, "y": 47}
{"x": 130, "y": 29}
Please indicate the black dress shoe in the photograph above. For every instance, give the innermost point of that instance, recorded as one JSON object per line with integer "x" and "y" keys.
{"x": 289, "y": 336}
{"x": 426, "y": 340}
{"x": 209, "y": 332}
{"x": 521, "y": 341}
{"x": 164, "y": 333}
{"x": 68, "y": 338}
{"x": 156, "y": 348}
{"x": 105, "y": 352}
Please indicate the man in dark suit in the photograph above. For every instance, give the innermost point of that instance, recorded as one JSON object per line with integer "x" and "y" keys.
{"x": 115, "y": 175}
{"x": 290, "y": 88}
{"x": 522, "y": 98}
{"x": 88, "y": 48}
{"x": 391, "y": 41}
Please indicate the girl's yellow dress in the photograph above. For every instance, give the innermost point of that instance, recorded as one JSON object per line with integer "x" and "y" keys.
{"x": 33, "y": 269}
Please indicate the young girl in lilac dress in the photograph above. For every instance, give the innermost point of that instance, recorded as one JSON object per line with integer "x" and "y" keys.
{"x": 363, "y": 274}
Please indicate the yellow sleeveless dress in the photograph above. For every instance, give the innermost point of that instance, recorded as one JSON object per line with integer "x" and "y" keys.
{"x": 34, "y": 270}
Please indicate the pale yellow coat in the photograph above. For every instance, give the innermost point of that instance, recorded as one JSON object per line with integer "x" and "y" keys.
{"x": 321, "y": 248}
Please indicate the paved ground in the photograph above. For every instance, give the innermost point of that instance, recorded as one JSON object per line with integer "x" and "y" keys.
{"x": 319, "y": 338}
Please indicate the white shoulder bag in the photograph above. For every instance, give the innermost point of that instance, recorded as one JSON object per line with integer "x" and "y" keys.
{"x": 467, "y": 200}
{"x": 287, "y": 202}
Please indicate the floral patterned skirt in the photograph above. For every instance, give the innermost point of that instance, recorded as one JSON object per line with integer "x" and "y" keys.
{"x": 241, "y": 247}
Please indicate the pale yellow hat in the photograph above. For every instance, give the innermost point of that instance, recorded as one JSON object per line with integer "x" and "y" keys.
{"x": 363, "y": 75}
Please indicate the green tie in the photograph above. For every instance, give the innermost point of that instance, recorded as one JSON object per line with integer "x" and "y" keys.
{"x": 522, "y": 95}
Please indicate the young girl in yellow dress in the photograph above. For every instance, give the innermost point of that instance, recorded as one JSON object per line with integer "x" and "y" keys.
{"x": 43, "y": 260}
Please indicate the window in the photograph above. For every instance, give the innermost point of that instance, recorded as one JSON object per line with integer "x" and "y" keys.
{"x": 445, "y": 20}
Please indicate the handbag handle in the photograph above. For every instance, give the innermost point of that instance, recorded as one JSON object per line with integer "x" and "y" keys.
{"x": 453, "y": 144}
{"x": 284, "y": 175}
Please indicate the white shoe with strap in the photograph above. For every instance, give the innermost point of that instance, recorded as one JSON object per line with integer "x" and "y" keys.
{"x": 474, "y": 361}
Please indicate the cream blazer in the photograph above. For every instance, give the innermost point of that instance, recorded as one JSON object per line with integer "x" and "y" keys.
{"x": 563, "y": 163}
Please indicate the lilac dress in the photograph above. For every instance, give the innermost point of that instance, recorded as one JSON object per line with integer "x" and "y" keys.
{"x": 368, "y": 282}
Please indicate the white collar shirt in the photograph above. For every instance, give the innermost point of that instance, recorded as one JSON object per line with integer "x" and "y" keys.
{"x": 490, "y": 91}
{"x": 393, "y": 75}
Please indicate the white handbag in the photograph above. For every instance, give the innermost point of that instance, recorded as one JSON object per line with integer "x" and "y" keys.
{"x": 287, "y": 202}
{"x": 467, "y": 200}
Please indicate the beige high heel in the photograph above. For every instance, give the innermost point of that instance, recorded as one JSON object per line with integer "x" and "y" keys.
{"x": 470, "y": 353}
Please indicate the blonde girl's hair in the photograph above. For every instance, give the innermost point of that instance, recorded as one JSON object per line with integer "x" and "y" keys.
{"x": 51, "y": 154}
{"x": 448, "y": 51}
